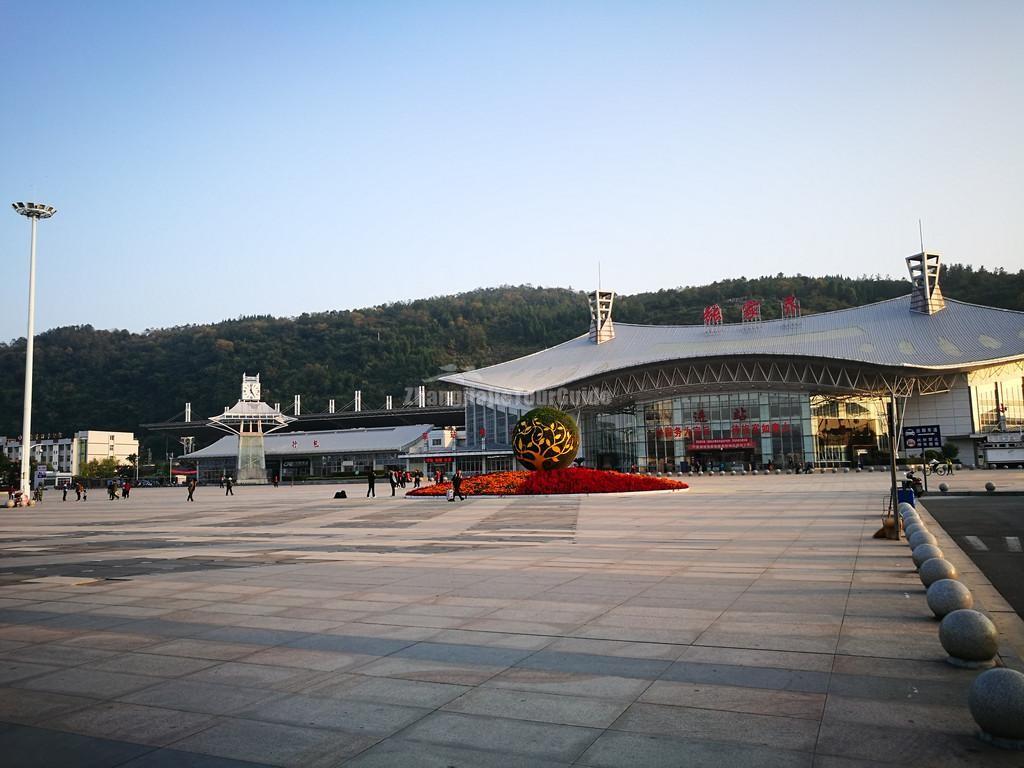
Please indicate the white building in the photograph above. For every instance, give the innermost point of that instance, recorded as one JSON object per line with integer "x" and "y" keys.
{"x": 73, "y": 454}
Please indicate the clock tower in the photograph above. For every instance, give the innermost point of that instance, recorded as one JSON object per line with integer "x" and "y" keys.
{"x": 250, "y": 388}
{"x": 250, "y": 419}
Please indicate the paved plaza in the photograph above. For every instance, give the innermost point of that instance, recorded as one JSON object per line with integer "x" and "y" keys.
{"x": 750, "y": 621}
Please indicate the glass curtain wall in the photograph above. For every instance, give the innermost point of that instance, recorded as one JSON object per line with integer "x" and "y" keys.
{"x": 734, "y": 430}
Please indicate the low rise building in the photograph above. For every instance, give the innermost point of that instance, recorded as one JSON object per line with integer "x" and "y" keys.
{"x": 72, "y": 454}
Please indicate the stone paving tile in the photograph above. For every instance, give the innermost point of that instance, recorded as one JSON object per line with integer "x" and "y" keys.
{"x": 901, "y": 689}
{"x": 536, "y": 740}
{"x": 587, "y": 664}
{"x": 764, "y": 583}
{"x": 174, "y": 758}
{"x": 909, "y": 747}
{"x": 275, "y": 744}
{"x": 111, "y": 641}
{"x": 317, "y": 712}
{"x": 324, "y": 661}
{"x": 456, "y": 653}
{"x": 623, "y": 648}
{"x": 413, "y": 693}
{"x": 203, "y": 649}
{"x": 31, "y": 707}
{"x": 58, "y": 654}
{"x": 908, "y": 713}
{"x": 156, "y": 726}
{"x": 714, "y": 725}
{"x": 808, "y": 662}
{"x": 567, "y": 683}
{"x": 748, "y": 676}
{"x": 756, "y": 701}
{"x": 251, "y": 675}
{"x": 431, "y": 671}
{"x": 152, "y": 664}
{"x": 88, "y": 682}
{"x": 194, "y": 696}
{"x": 27, "y": 747}
{"x": 20, "y": 670}
{"x": 403, "y": 753}
{"x": 369, "y": 646}
{"x": 540, "y": 707}
{"x": 617, "y": 750}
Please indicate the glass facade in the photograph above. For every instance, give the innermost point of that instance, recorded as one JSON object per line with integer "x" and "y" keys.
{"x": 489, "y": 424}
{"x": 734, "y": 429}
{"x": 1000, "y": 406}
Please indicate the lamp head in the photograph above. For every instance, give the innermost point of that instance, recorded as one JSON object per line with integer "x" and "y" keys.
{"x": 34, "y": 210}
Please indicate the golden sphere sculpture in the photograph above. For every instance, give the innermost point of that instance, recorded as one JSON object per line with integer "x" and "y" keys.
{"x": 545, "y": 438}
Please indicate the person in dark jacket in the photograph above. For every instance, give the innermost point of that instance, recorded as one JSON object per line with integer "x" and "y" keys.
{"x": 370, "y": 479}
{"x": 457, "y": 486}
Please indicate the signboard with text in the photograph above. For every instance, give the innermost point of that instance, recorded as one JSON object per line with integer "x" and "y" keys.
{"x": 721, "y": 444}
{"x": 922, "y": 438}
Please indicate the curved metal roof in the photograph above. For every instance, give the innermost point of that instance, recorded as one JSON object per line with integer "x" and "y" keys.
{"x": 374, "y": 439}
{"x": 887, "y": 334}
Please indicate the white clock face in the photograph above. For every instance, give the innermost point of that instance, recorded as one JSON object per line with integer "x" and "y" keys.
{"x": 250, "y": 391}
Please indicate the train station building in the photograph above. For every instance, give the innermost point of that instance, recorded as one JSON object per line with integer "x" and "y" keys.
{"x": 803, "y": 389}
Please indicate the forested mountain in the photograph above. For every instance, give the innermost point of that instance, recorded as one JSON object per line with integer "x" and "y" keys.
{"x": 87, "y": 378}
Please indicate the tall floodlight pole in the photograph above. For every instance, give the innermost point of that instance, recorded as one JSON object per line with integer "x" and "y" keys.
{"x": 34, "y": 211}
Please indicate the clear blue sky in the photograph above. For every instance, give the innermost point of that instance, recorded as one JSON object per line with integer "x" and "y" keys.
{"x": 214, "y": 159}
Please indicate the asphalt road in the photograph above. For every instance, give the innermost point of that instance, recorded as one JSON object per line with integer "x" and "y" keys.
{"x": 991, "y": 531}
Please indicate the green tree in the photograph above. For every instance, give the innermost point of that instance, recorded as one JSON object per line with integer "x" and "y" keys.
{"x": 101, "y": 468}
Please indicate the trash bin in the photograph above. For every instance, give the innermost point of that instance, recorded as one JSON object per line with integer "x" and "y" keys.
{"x": 905, "y": 494}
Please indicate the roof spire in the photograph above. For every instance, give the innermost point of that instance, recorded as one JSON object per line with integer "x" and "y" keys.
{"x": 924, "y": 274}
{"x": 601, "y": 327}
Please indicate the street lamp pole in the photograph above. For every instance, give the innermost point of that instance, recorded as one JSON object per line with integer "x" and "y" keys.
{"x": 34, "y": 211}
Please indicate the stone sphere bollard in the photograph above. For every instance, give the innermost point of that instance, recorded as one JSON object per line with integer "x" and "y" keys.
{"x": 996, "y": 702}
{"x": 858, "y": 469}
{"x": 912, "y": 519}
{"x": 779, "y": 471}
{"x": 943, "y": 488}
{"x": 871, "y": 469}
{"x": 915, "y": 527}
{"x": 924, "y": 553}
{"x": 904, "y": 507}
{"x": 935, "y": 569}
{"x": 734, "y": 473}
{"x": 921, "y": 537}
{"x": 846, "y": 470}
{"x": 969, "y": 638}
{"x": 947, "y": 595}
{"x": 789, "y": 471}
{"x": 990, "y": 486}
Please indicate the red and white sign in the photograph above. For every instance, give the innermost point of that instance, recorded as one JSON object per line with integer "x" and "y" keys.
{"x": 713, "y": 315}
{"x": 752, "y": 311}
{"x": 721, "y": 444}
{"x": 791, "y": 307}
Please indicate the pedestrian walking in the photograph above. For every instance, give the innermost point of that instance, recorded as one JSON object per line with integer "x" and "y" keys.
{"x": 457, "y": 485}
{"x": 277, "y": 480}
{"x": 191, "y": 489}
{"x": 393, "y": 480}
{"x": 222, "y": 481}
{"x": 127, "y": 489}
{"x": 228, "y": 485}
{"x": 78, "y": 491}
{"x": 370, "y": 479}
{"x": 64, "y": 488}
{"x": 416, "y": 478}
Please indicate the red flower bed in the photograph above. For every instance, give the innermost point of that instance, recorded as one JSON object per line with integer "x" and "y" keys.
{"x": 570, "y": 480}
